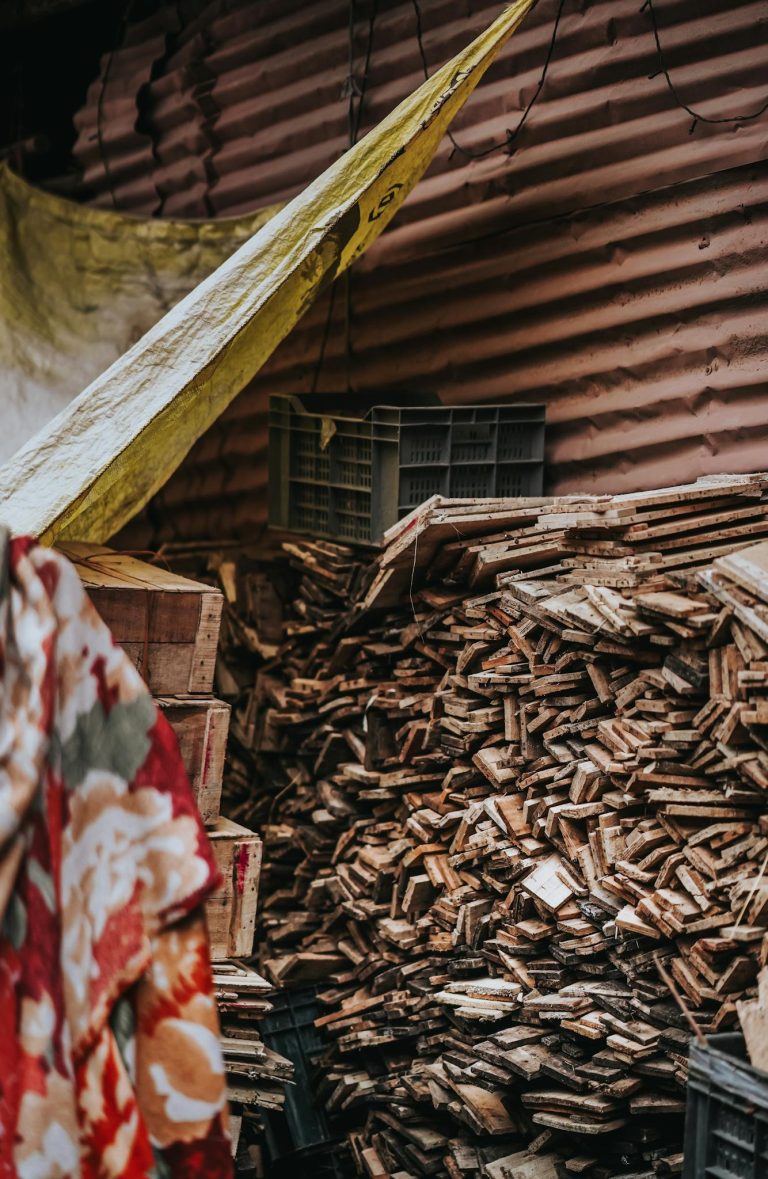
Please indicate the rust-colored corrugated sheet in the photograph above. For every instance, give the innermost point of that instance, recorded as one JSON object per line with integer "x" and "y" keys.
{"x": 642, "y": 326}
{"x": 614, "y": 265}
{"x": 114, "y": 152}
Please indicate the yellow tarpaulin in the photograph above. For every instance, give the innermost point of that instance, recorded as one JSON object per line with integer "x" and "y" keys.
{"x": 79, "y": 286}
{"x": 101, "y": 459}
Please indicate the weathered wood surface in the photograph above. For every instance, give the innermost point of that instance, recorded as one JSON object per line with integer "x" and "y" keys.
{"x": 256, "y": 1075}
{"x": 201, "y": 725}
{"x": 167, "y": 624}
{"x": 231, "y": 909}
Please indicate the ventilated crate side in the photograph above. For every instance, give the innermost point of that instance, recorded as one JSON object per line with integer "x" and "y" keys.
{"x": 231, "y": 910}
{"x": 466, "y": 452}
{"x": 201, "y": 726}
{"x": 351, "y": 479}
{"x": 289, "y": 1029}
{"x": 726, "y": 1121}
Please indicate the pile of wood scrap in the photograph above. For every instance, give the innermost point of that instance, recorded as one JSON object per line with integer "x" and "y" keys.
{"x": 514, "y": 819}
{"x": 613, "y": 540}
{"x": 256, "y": 1075}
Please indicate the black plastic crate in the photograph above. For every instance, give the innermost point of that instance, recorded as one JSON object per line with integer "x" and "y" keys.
{"x": 726, "y": 1121}
{"x": 290, "y": 1030}
{"x": 350, "y": 478}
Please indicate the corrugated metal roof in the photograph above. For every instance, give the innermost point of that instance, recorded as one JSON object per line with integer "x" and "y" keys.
{"x": 613, "y": 266}
{"x": 115, "y": 153}
{"x": 273, "y": 76}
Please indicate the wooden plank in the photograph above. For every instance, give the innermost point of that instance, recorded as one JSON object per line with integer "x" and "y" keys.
{"x": 231, "y": 909}
{"x": 201, "y": 725}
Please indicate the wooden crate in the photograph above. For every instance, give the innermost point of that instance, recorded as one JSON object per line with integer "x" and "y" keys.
{"x": 168, "y": 625}
{"x": 201, "y": 725}
{"x": 231, "y": 911}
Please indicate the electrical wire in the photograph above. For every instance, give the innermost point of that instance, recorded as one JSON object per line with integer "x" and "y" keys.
{"x": 127, "y": 10}
{"x": 355, "y": 116}
{"x": 354, "y": 130}
{"x": 354, "y": 119}
{"x": 696, "y": 116}
{"x": 324, "y": 340}
{"x": 366, "y": 69}
{"x": 512, "y": 135}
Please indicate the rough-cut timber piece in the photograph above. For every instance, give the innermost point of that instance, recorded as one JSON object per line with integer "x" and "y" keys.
{"x": 748, "y": 568}
{"x": 231, "y": 910}
{"x": 168, "y": 625}
{"x": 201, "y": 725}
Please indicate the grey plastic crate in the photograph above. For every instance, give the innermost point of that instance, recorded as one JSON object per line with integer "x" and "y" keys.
{"x": 726, "y": 1121}
{"x": 350, "y": 478}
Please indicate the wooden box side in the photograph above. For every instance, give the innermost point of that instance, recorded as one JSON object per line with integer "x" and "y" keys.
{"x": 168, "y": 625}
{"x": 206, "y": 643}
{"x": 201, "y": 727}
{"x": 231, "y": 910}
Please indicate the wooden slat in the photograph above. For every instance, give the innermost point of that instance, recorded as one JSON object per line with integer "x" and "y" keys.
{"x": 231, "y": 910}
{"x": 201, "y": 725}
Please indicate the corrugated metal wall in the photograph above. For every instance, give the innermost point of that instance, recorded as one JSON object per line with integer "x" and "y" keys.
{"x": 614, "y": 265}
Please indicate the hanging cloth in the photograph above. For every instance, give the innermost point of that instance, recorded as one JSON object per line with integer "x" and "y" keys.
{"x": 109, "y": 1039}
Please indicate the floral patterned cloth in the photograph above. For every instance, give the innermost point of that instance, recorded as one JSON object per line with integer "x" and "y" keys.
{"x": 110, "y": 1063}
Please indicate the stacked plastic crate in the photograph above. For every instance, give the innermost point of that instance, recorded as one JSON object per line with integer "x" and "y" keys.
{"x": 351, "y": 478}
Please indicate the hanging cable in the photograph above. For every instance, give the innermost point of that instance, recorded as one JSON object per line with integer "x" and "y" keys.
{"x": 511, "y": 135}
{"x": 696, "y": 116}
{"x": 353, "y": 92}
{"x": 354, "y": 128}
{"x": 366, "y": 68}
{"x": 351, "y": 89}
{"x": 324, "y": 340}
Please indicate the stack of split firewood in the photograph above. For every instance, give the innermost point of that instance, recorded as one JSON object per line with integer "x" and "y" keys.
{"x": 511, "y": 777}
